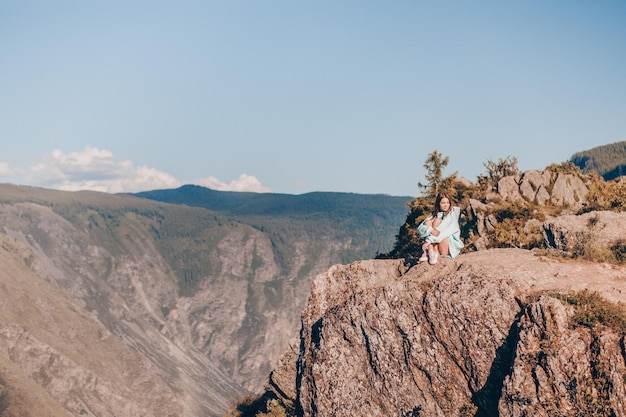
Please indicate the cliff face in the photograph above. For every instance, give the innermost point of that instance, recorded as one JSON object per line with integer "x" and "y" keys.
{"x": 96, "y": 320}
{"x": 484, "y": 334}
{"x": 85, "y": 330}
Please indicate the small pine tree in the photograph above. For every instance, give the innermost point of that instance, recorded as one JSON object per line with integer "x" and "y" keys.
{"x": 435, "y": 181}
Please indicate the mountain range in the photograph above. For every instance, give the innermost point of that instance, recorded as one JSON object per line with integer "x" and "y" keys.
{"x": 182, "y": 302}
{"x": 120, "y": 305}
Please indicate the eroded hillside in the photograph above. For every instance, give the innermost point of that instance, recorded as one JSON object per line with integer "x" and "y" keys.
{"x": 115, "y": 305}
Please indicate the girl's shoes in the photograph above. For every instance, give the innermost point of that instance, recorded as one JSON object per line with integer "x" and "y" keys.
{"x": 423, "y": 258}
{"x": 432, "y": 257}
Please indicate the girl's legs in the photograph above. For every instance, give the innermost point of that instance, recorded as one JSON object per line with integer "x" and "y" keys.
{"x": 433, "y": 253}
{"x": 443, "y": 248}
{"x": 425, "y": 248}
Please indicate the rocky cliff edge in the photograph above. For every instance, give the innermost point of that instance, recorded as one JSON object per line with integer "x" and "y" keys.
{"x": 486, "y": 334}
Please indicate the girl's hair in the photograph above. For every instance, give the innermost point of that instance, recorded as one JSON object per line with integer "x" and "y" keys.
{"x": 441, "y": 196}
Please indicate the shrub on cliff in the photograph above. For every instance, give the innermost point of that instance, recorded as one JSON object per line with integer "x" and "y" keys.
{"x": 606, "y": 195}
{"x": 496, "y": 171}
{"x": 266, "y": 405}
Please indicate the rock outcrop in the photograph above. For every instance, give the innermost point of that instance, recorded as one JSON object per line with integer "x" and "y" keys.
{"x": 483, "y": 334}
{"x": 567, "y": 232}
{"x": 544, "y": 187}
{"x": 542, "y": 193}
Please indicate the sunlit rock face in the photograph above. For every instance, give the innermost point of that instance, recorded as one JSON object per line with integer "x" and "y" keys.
{"x": 469, "y": 336}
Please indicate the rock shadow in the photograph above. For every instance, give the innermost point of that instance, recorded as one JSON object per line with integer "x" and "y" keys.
{"x": 488, "y": 397}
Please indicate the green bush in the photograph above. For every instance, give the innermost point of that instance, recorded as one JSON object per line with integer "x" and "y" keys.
{"x": 619, "y": 251}
{"x": 606, "y": 195}
{"x": 266, "y": 405}
{"x": 592, "y": 310}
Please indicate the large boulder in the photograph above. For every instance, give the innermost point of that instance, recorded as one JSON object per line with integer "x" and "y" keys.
{"x": 561, "y": 371}
{"x": 508, "y": 188}
{"x": 534, "y": 186}
{"x": 568, "y": 190}
{"x": 568, "y": 232}
{"x": 468, "y": 336}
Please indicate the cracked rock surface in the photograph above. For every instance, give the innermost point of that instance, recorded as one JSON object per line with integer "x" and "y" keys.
{"x": 473, "y": 334}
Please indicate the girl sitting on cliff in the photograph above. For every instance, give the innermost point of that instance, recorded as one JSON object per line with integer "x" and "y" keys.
{"x": 441, "y": 231}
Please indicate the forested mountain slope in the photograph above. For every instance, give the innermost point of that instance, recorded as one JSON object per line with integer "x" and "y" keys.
{"x": 369, "y": 220}
{"x": 608, "y": 161}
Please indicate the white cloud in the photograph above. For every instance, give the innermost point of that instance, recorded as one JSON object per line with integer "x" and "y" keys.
{"x": 127, "y": 179}
{"x": 245, "y": 182}
{"x": 97, "y": 170}
{"x": 5, "y": 171}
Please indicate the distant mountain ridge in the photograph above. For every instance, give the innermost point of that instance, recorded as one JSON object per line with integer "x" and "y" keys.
{"x": 251, "y": 204}
{"x": 608, "y": 161}
{"x": 282, "y": 215}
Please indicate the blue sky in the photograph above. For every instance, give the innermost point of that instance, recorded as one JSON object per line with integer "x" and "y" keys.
{"x": 295, "y": 96}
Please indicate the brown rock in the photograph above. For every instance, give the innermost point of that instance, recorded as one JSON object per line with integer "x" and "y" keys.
{"x": 570, "y": 231}
{"x": 568, "y": 190}
{"x": 476, "y": 214}
{"x": 558, "y": 370}
{"x": 533, "y": 186}
{"x": 508, "y": 188}
{"x": 385, "y": 338}
{"x": 536, "y": 186}
{"x": 542, "y": 196}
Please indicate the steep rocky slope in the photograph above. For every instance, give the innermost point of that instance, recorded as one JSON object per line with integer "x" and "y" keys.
{"x": 113, "y": 305}
{"x": 58, "y": 360}
{"x": 90, "y": 329}
{"x": 485, "y": 334}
